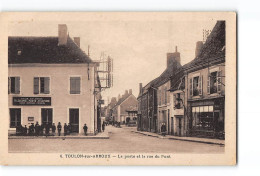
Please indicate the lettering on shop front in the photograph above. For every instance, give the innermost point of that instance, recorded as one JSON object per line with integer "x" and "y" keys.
{"x": 32, "y": 101}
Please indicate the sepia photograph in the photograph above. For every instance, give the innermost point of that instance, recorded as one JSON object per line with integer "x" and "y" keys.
{"x": 120, "y": 88}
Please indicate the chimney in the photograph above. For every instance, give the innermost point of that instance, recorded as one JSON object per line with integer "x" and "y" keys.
{"x": 172, "y": 57}
{"x": 199, "y": 45}
{"x": 77, "y": 41}
{"x": 130, "y": 91}
{"x": 62, "y": 34}
{"x": 140, "y": 88}
{"x": 126, "y": 92}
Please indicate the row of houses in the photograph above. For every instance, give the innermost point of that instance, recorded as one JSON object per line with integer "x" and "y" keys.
{"x": 52, "y": 80}
{"x": 188, "y": 99}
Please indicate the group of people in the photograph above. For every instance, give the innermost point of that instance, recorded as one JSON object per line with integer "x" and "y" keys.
{"x": 46, "y": 129}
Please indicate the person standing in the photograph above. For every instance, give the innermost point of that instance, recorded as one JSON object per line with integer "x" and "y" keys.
{"x": 103, "y": 127}
{"x": 85, "y": 128}
{"x": 25, "y": 130}
{"x": 65, "y": 129}
{"x": 37, "y": 129}
{"x": 59, "y": 128}
{"x": 53, "y": 129}
{"x": 47, "y": 127}
{"x": 69, "y": 128}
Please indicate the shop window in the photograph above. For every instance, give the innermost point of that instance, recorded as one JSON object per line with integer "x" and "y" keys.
{"x": 41, "y": 85}
{"x": 203, "y": 118}
{"x": 15, "y": 117}
{"x": 74, "y": 85}
{"x": 14, "y": 85}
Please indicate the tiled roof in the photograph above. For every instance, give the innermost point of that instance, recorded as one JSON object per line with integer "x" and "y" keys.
{"x": 213, "y": 50}
{"x": 167, "y": 74}
{"x": 44, "y": 50}
{"x": 121, "y": 100}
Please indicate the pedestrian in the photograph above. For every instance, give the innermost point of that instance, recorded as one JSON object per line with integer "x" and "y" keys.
{"x": 25, "y": 130}
{"x": 59, "y": 128}
{"x": 85, "y": 128}
{"x": 37, "y": 129}
{"x": 42, "y": 129}
{"x": 65, "y": 129}
{"x": 103, "y": 127}
{"x": 69, "y": 128}
{"x": 53, "y": 129}
{"x": 47, "y": 129}
{"x": 163, "y": 129}
{"x": 31, "y": 129}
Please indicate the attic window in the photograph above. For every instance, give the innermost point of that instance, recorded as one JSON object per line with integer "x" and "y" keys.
{"x": 19, "y": 52}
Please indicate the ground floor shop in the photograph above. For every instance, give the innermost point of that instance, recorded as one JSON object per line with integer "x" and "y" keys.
{"x": 44, "y": 112}
{"x": 207, "y": 118}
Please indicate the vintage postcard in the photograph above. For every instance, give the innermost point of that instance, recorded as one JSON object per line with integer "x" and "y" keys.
{"x": 118, "y": 88}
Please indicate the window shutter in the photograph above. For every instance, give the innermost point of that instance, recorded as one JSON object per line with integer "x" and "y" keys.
{"x": 208, "y": 85}
{"x": 72, "y": 85}
{"x": 77, "y": 85}
{"x": 174, "y": 99}
{"x": 191, "y": 87}
{"x": 46, "y": 85}
{"x": 17, "y": 85}
{"x": 219, "y": 80}
{"x": 200, "y": 84}
{"x": 36, "y": 85}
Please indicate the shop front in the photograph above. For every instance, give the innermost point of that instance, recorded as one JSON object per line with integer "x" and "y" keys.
{"x": 207, "y": 118}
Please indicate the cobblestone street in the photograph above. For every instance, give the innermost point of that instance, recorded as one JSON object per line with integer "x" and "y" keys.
{"x": 121, "y": 140}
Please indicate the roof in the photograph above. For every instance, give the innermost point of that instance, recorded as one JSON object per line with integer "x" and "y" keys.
{"x": 213, "y": 50}
{"x": 177, "y": 80}
{"x": 167, "y": 74}
{"x": 44, "y": 50}
{"x": 121, "y": 100}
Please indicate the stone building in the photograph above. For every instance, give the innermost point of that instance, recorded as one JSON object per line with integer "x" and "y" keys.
{"x": 51, "y": 80}
{"x": 205, "y": 87}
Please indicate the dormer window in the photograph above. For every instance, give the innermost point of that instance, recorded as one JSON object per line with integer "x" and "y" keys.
{"x": 19, "y": 52}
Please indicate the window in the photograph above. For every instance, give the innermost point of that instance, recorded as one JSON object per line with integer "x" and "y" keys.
{"x": 165, "y": 95}
{"x": 15, "y": 117}
{"x": 14, "y": 85}
{"x": 214, "y": 82}
{"x": 74, "y": 85}
{"x": 195, "y": 86}
{"x": 41, "y": 85}
{"x": 178, "y": 101}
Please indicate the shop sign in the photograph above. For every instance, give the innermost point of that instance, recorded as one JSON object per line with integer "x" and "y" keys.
{"x": 32, "y": 101}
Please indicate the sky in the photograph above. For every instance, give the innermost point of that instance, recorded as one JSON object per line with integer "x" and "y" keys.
{"x": 138, "y": 47}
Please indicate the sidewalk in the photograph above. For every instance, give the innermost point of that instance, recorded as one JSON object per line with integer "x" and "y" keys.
{"x": 103, "y": 135}
{"x": 190, "y": 139}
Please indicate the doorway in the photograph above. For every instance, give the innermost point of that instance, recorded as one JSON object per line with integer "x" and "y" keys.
{"x": 47, "y": 115}
{"x": 74, "y": 120}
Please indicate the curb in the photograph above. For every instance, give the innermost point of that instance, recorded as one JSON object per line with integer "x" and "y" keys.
{"x": 59, "y": 137}
{"x": 173, "y": 138}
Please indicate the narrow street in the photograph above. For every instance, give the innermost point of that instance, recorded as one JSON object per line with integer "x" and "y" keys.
{"x": 121, "y": 140}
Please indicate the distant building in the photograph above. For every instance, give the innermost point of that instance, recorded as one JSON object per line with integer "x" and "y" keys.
{"x": 119, "y": 110}
{"x": 51, "y": 80}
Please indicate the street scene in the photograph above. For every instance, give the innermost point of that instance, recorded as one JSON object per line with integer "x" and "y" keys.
{"x": 117, "y": 87}
{"x": 121, "y": 140}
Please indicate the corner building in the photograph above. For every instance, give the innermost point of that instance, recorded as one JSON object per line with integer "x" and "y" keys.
{"x": 51, "y": 80}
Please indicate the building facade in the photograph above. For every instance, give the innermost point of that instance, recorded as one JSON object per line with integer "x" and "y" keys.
{"x": 205, "y": 78}
{"x": 51, "y": 80}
